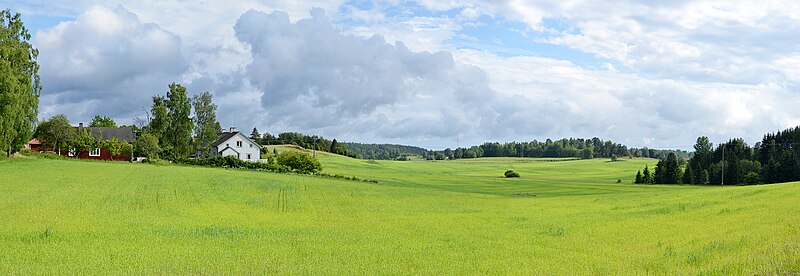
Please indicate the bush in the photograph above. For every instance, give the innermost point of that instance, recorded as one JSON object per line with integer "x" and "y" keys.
{"x": 234, "y": 163}
{"x": 299, "y": 162}
{"x": 752, "y": 178}
{"x": 511, "y": 173}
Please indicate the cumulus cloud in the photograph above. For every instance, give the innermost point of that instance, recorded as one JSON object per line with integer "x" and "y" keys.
{"x": 314, "y": 76}
{"x": 106, "y": 62}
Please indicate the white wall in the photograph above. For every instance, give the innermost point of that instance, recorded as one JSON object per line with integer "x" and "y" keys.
{"x": 246, "y": 147}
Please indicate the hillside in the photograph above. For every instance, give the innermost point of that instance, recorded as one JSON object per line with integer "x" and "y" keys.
{"x": 446, "y": 217}
{"x": 383, "y": 151}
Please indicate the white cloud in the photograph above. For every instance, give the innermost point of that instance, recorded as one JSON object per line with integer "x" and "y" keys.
{"x": 106, "y": 62}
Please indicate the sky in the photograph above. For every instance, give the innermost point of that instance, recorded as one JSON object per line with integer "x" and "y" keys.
{"x": 434, "y": 74}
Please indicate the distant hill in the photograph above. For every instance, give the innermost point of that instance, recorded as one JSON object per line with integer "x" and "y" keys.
{"x": 383, "y": 151}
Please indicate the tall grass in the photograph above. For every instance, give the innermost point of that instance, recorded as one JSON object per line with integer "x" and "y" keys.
{"x": 445, "y": 217}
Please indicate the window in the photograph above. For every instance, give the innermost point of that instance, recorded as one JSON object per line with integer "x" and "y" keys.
{"x": 95, "y": 152}
{"x": 248, "y": 156}
{"x": 71, "y": 152}
{"x": 238, "y": 144}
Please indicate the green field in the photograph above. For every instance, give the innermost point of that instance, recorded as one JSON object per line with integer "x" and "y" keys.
{"x": 422, "y": 217}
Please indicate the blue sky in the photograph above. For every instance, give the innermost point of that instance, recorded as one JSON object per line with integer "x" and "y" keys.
{"x": 429, "y": 73}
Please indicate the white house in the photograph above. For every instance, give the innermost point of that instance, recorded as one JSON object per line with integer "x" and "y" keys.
{"x": 234, "y": 143}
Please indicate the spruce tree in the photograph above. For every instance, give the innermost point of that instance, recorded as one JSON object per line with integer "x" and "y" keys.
{"x": 647, "y": 178}
{"x": 638, "y": 178}
{"x": 688, "y": 176}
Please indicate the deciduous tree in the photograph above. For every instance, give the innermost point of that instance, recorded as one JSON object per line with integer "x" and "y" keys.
{"x": 19, "y": 82}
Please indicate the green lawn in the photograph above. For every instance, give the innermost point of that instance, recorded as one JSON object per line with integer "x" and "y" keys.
{"x": 423, "y": 217}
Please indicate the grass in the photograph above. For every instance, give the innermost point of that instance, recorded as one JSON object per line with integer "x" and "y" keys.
{"x": 423, "y": 217}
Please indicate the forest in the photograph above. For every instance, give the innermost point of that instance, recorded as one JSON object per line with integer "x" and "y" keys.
{"x": 562, "y": 148}
{"x": 774, "y": 159}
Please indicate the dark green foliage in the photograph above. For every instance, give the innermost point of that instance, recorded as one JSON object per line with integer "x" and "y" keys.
{"x": 55, "y": 133}
{"x": 102, "y": 121}
{"x": 299, "y": 162}
{"x": 703, "y": 178}
{"x": 235, "y": 163}
{"x": 309, "y": 142}
{"x": 613, "y": 158}
{"x": 752, "y": 178}
{"x": 688, "y": 176}
{"x": 571, "y": 147}
{"x": 254, "y": 135}
{"x": 159, "y": 120}
{"x": 206, "y": 125}
{"x": 383, "y": 151}
{"x": 668, "y": 170}
{"x": 511, "y": 173}
{"x": 147, "y": 145}
{"x": 19, "y": 83}
{"x": 587, "y": 153}
{"x": 639, "y": 179}
{"x": 647, "y": 177}
{"x": 178, "y": 134}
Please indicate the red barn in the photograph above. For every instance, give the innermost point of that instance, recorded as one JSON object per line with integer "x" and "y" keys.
{"x": 123, "y": 134}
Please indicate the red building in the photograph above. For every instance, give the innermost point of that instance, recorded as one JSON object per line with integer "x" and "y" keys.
{"x": 34, "y": 145}
{"x": 123, "y": 134}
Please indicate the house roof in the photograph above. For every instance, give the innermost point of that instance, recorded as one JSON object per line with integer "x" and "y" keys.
{"x": 34, "y": 141}
{"x": 225, "y": 136}
{"x": 222, "y": 137}
{"x": 121, "y": 133}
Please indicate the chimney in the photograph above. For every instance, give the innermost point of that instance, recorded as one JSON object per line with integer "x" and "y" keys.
{"x": 80, "y": 125}
{"x": 233, "y": 129}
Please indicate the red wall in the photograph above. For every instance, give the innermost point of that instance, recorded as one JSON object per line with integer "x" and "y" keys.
{"x": 104, "y": 155}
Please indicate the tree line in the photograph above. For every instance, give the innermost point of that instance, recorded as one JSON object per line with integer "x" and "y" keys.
{"x": 384, "y": 151}
{"x": 772, "y": 160}
{"x": 562, "y": 148}
{"x": 312, "y": 142}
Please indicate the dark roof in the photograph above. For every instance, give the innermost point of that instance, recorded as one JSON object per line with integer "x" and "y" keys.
{"x": 222, "y": 137}
{"x": 121, "y": 133}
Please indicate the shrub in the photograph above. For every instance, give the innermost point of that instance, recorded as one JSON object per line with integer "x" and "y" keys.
{"x": 234, "y": 163}
{"x": 752, "y": 178}
{"x": 299, "y": 162}
{"x": 511, "y": 173}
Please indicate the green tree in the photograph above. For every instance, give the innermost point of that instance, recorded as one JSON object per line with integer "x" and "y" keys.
{"x": 613, "y": 158}
{"x": 255, "y": 136}
{"x": 147, "y": 144}
{"x": 647, "y": 177}
{"x": 179, "y": 132}
{"x": 83, "y": 142}
{"x": 103, "y": 121}
{"x": 752, "y": 178}
{"x": 55, "y": 133}
{"x": 638, "y": 179}
{"x": 159, "y": 120}
{"x": 704, "y": 178}
{"x": 113, "y": 146}
{"x": 587, "y": 153}
{"x": 334, "y": 147}
{"x": 19, "y": 82}
{"x": 688, "y": 176}
{"x": 299, "y": 162}
{"x": 205, "y": 122}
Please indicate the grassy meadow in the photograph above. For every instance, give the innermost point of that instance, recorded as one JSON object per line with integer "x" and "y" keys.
{"x": 422, "y": 217}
